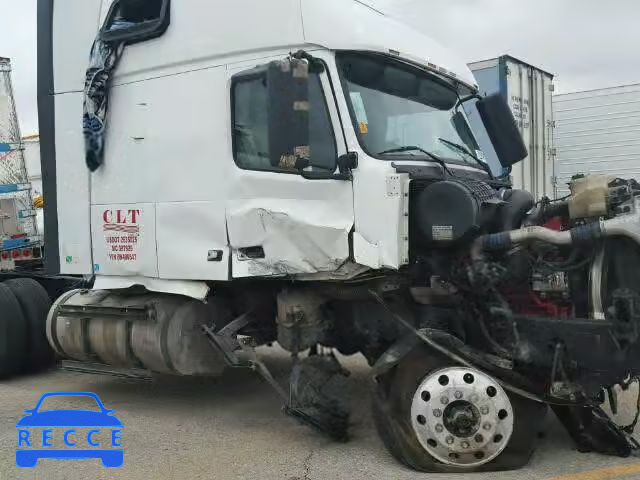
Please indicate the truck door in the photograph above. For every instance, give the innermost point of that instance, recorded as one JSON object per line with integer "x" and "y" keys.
{"x": 279, "y": 222}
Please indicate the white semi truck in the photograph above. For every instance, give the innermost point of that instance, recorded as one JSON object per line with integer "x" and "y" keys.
{"x": 303, "y": 172}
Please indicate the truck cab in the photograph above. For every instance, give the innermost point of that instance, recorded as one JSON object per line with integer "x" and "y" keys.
{"x": 304, "y": 172}
{"x": 187, "y": 134}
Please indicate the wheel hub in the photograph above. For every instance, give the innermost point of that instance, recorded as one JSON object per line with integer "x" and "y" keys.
{"x": 462, "y": 416}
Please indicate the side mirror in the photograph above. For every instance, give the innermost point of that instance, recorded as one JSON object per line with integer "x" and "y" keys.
{"x": 502, "y": 129}
{"x": 288, "y": 112}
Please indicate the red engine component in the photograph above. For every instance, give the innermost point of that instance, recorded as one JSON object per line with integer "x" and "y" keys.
{"x": 555, "y": 224}
{"x": 529, "y": 303}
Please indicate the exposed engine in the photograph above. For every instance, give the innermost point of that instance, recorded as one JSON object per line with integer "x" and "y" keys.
{"x": 552, "y": 294}
{"x": 546, "y": 295}
{"x": 542, "y": 277}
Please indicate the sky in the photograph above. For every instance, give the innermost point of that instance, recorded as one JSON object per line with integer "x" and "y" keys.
{"x": 586, "y": 43}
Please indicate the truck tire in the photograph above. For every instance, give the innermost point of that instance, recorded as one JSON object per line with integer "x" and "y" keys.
{"x": 13, "y": 334}
{"x": 35, "y": 304}
{"x": 395, "y": 392}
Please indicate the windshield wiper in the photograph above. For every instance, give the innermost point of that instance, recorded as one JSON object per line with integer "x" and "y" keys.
{"x": 463, "y": 149}
{"x": 410, "y": 148}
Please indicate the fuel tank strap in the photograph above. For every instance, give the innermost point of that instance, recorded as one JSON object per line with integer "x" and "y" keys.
{"x": 128, "y": 313}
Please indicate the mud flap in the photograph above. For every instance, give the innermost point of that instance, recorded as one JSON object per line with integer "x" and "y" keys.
{"x": 316, "y": 385}
{"x": 317, "y": 395}
{"x": 593, "y": 431}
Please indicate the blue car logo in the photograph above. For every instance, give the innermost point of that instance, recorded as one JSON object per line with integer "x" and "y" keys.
{"x": 32, "y": 447}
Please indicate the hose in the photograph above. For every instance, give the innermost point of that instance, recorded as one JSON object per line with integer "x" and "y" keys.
{"x": 581, "y": 235}
{"x": 546, "y": 210}
{"x": 506, "y": 240}
{"x": 542, "y": 234}
{"x": 519, "y": 203}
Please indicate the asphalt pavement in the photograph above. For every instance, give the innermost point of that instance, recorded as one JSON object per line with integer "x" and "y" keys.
{"x": 233, "y": 428}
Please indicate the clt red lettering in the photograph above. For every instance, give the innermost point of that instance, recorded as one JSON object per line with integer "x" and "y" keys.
{"x": 122, "y": 217}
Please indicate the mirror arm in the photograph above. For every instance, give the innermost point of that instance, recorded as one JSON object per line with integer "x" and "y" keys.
{"x": 348, "y": 162}
{"x": 317, "y": 64}
{"x": 464, "y": 100}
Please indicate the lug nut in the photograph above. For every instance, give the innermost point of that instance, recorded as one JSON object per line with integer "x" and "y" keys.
{"x": 479, "y": 438}
{"x": 465, "y": 445}
{"x": 450, "y": 440}
{"x": 437, "y": 413}
{"x": 487, "y": 426}
{"x": 484, "y": 410}
{"x": 458, "y": 395}
{"x": 439, "y": 428}
{"x": 444, "y": 400}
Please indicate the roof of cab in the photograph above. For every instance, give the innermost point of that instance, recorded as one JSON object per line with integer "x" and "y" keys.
{"x": 354, "y": 25}
{"x": 207, "y": 35}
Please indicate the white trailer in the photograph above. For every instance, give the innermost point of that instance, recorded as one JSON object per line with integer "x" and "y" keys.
{"x": 528, "y": 90}
{"x": 597, "y": 132}
{"x": 304, "y": 172}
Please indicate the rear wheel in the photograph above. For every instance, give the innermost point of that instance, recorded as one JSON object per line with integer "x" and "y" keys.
{"x": 35, "y": 304}
{"x": 13, "y": 334}
{"x": 437, "y": 417}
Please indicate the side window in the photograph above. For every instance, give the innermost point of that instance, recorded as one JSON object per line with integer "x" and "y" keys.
{"x": 251, "y": 126}
{"x": 134, "y": 21}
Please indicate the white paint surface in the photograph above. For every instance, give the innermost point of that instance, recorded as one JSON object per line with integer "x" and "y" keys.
{"x": 186, "y": 232}
{"x": 72, "y": 187}
{"x": 197, "y": 290}
{"x": 350, "y": 25}
{"x": 75, "y": 24}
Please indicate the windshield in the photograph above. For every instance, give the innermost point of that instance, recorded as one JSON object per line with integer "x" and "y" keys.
{"x": 395, "y": 106}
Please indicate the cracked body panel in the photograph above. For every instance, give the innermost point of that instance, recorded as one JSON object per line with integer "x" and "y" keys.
{"x": 301, "y": 238}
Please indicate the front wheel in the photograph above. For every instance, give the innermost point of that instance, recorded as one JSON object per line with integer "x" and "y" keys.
{"x": 437, "y": 417}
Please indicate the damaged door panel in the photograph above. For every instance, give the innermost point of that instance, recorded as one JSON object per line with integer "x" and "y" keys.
{"x": 295, "y": 237}
{"x": 278, "y": 221}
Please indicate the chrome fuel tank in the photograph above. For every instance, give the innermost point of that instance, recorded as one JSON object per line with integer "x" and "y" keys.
{"x": 159, "y": 332}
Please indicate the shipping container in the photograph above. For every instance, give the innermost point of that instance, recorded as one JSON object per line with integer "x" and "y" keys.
{"x": 528, "y": 90}
{"x": 597, "y": 131}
